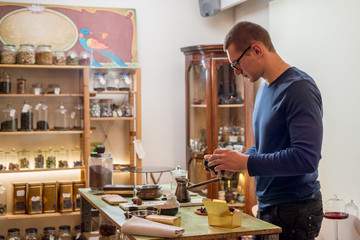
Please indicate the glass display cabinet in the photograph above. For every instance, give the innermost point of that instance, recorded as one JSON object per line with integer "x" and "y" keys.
{"x": 219, "y": 108}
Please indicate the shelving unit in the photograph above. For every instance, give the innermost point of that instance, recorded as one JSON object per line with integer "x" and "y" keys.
{"x": 37, "y": 216}
{"x": 40, "y": 170}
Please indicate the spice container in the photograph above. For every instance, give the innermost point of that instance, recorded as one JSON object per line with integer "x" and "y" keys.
{"x": 53, "y": 89}
{"x": 64, "y": 233}
{"x": 49, "y": 197}
{"x": 100, "y": 169}
{"x": 85, "y": 58}
{"x": 76, "y": 156}
{"x": 34, "y": 202}
{"x": 72, "y": 58}
{"x": 26, "y": 121}
{"x": 8, "y": 54}
{"x": 5, "y": 84}
{"x": 77, "y": 235}
{"x": 39, "y": 157}
{"x": 127, "y": 110}
{"x": 26, "y": 54}
{"x": 65, "y": 196}
{"x": 9, "y": 120}
{"x": 19, "y": 198}
{"x": 106, "y": 110}
{"x": 3, "y": 210}
{"x": 61, "y": 118}
{"x": 12, "y": 159}
{"x": 62, "y": 156}
{"x": 24, "y": 157}
{"x": 13, "y": 234}
{"x": 112, "y": 81}
{"x": 36, "y": 89}
{"x": 95, "y": 107}
{"x": 49, "y": 233}
{"x": 76, "y": 194}
{"x": 125, "y": 81}
{"x": 99, "y": 82}
{"x": 59, "y": 58}
{"x": 20, "y": 86}
{"x": 50, "y": 159}
{"x": 44, "y": 55}
{"x": 31, "y": 234}
{"x": 41, "y": 117}
{"x": 77, "y": 117}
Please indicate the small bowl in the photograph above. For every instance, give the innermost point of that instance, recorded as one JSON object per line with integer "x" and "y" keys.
{"x": 148, "y": 192}
{"x": 170, "y": 211}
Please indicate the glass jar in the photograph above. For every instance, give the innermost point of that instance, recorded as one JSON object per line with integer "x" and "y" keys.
{"x": 127, "y": 110}
{"x": 36, "y": 88}
{"x": 26, "y": 54}
{"x": 100, "y": 169}
{"x": 34, "y": 197}
{"x": 2, "y": 160}
{"x": 106, "y": 110}
{"x": 85, "y": 58}
{"x": 39, "y": 158}
{"x": 41, "y": 117}
{"x": 50, "y": 158}
{"x": 95, "y": 107}
{"x": 21, "y": 86}
{"x": 8, "y": 54}
{"x": 31, "y": 234}
{"x": 9, "y": 121}
{"x": 99, "y": 82}
{"x": 12, "y": 159}
{"x": 177, "y": 173}
{"x": 3, "y": 210}
{"x": 59, "y": 58}
{"x": 53, "y": 89}
{"x": 5, "y": 84}
{"x": 106, "y": 228}
{"x": 125, "y": 81}
{"x": 112, "y": 81}
{"x": 77, "y": 117}
{"x": 62, "y": 156}
{"x": 64, "y": 233}
{"x": 61, "y": 118}
{"x": 352, "y": 209}
{"x": 72, "y": 58}
{"x": 24, "y": 157}
{"x": 77, "y": 235}
{"x": 76, "y": 157}
{"x": 26, "y": 118}
{"x": 13, "y": 234}
{"x": 44, "y": 55}
{"x": 49, "y": 234}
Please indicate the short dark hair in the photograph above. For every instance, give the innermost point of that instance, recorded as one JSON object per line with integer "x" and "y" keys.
{"x": 243, "y": 34}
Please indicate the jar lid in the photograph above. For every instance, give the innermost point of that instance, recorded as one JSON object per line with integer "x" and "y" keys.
{"x": 25, "y": 45}
{"x": 77, "y": 227}
{"x": 49, "y": 229}
{"x": 44, "y": 45}
{"x": 64, "y": 227}
{"x": 125, "y": 73}
{"x": 31, "y": 230}
{"x": 12, "y": 230}
{"x": 99, "y": 73}
{"x": 9, "y": 45}
{"x": 21, "y": 79}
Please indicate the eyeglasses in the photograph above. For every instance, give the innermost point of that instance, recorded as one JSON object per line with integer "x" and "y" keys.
{"x": 233, "y": 64}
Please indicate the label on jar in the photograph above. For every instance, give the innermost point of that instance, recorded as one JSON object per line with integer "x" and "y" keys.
{"x": 37, "y": 91}
{"x": 37, "y": 107}
{"x": 35, "y": 198}
{"x": 57, "y": 90}
{"x": 127, "y": 80}
{"x": 72, "y": 115}
{"x": 78, "y": 195}
{"x": 102, "y": 81}
{"x": 12, "y": 112}
{"x": 20, "y": 193}
{"x": 26, "y": 108}
{"x": 66, "y": 195}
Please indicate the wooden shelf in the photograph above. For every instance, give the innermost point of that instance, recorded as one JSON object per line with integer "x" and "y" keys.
{"x": 51, "y": 132}
{"x": 219, "y": 106}
{"x": 35, "y": 66}
{"x": 43, "y": 95}
{"x": 41, "y": 170}
{"x": 41, "y": 215}
{"x": 94, "y": 93}
{"x": 112, "y": 118}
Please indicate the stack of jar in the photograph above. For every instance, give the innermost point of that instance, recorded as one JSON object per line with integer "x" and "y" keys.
{"x": 49, "y": 233}
{"x": 112, "y": 81}
{"x": 46, "y": 197}
{"x": 27, "y": 54}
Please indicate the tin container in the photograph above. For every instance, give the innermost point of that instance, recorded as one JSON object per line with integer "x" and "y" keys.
{"x": 34, "y": 199}
{"x": 49, "y": 197}
{"x": 76, "y": 194}
{"x": 19, "y": 198}
{"x": 65, "y": 196}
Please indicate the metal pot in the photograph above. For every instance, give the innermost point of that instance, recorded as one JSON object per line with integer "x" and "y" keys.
{"x": 148, "y": 192}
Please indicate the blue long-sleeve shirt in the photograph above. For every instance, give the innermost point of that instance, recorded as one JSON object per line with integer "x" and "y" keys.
{"x": 287, "y": 122}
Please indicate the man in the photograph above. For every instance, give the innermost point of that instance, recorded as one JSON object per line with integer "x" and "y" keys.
{"x": 287, "y": 122}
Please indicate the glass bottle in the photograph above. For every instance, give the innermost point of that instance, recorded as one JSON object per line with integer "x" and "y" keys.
{"x": 64, "y": 233}
{"x": 50, "y": 158}
{"x": 99, "y": 82}
{"x": 26, "y": 54}
{"x": 8, "y": 54}
{"x": 3, "y": 209}
{"x": 77, "y": 117}
{"x": 77, "y": 235}
{"x": 44, "y": 55}
{"x": 49, "y": 233}
{"x": 125, "y": 81}
{"x": 72, "y": 58}
{"x": 5, "y": 84}
{"x": 36, "y": 88}
{"x": 41, "y": 117}
{"x": 2, "y": 160}
{"x": 352, "y": 209}
{"x": 53, "y": 89}
{"x": 12, "y": 159}
{"x": 59, "y": 58}
{"x": 76, "y": 156}
{"x": 24, "y": 157}
{"x": 13, "y": 234}
{"x": 100, "y": 169}
{"x": 26, "y": 119}
{"x": 21, "y": 86}
{"x": 127, "y": 110}
{"x": 39, "y": 158}
{"x": 9, "y": 121}
{"x": 106, "y": 110}
{"x": 95, "y": 108}
{"x": 61, "y": 118}
{"x": 62, "y": 156}
{"x": 112, "y": 81}
{"x": 31, "y": 234}
{"x": 85, "y": 58}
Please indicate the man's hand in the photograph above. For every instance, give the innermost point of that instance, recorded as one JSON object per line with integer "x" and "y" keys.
{"x": 227, "y": 161}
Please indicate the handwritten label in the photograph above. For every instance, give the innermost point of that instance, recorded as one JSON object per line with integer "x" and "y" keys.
{"x": 35, "y": 199}
{"x": 66, "y": 195}
{"x": 12, "y": 112}
{"x": 20, "y": 193}
{"x": 72, "y": 115}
